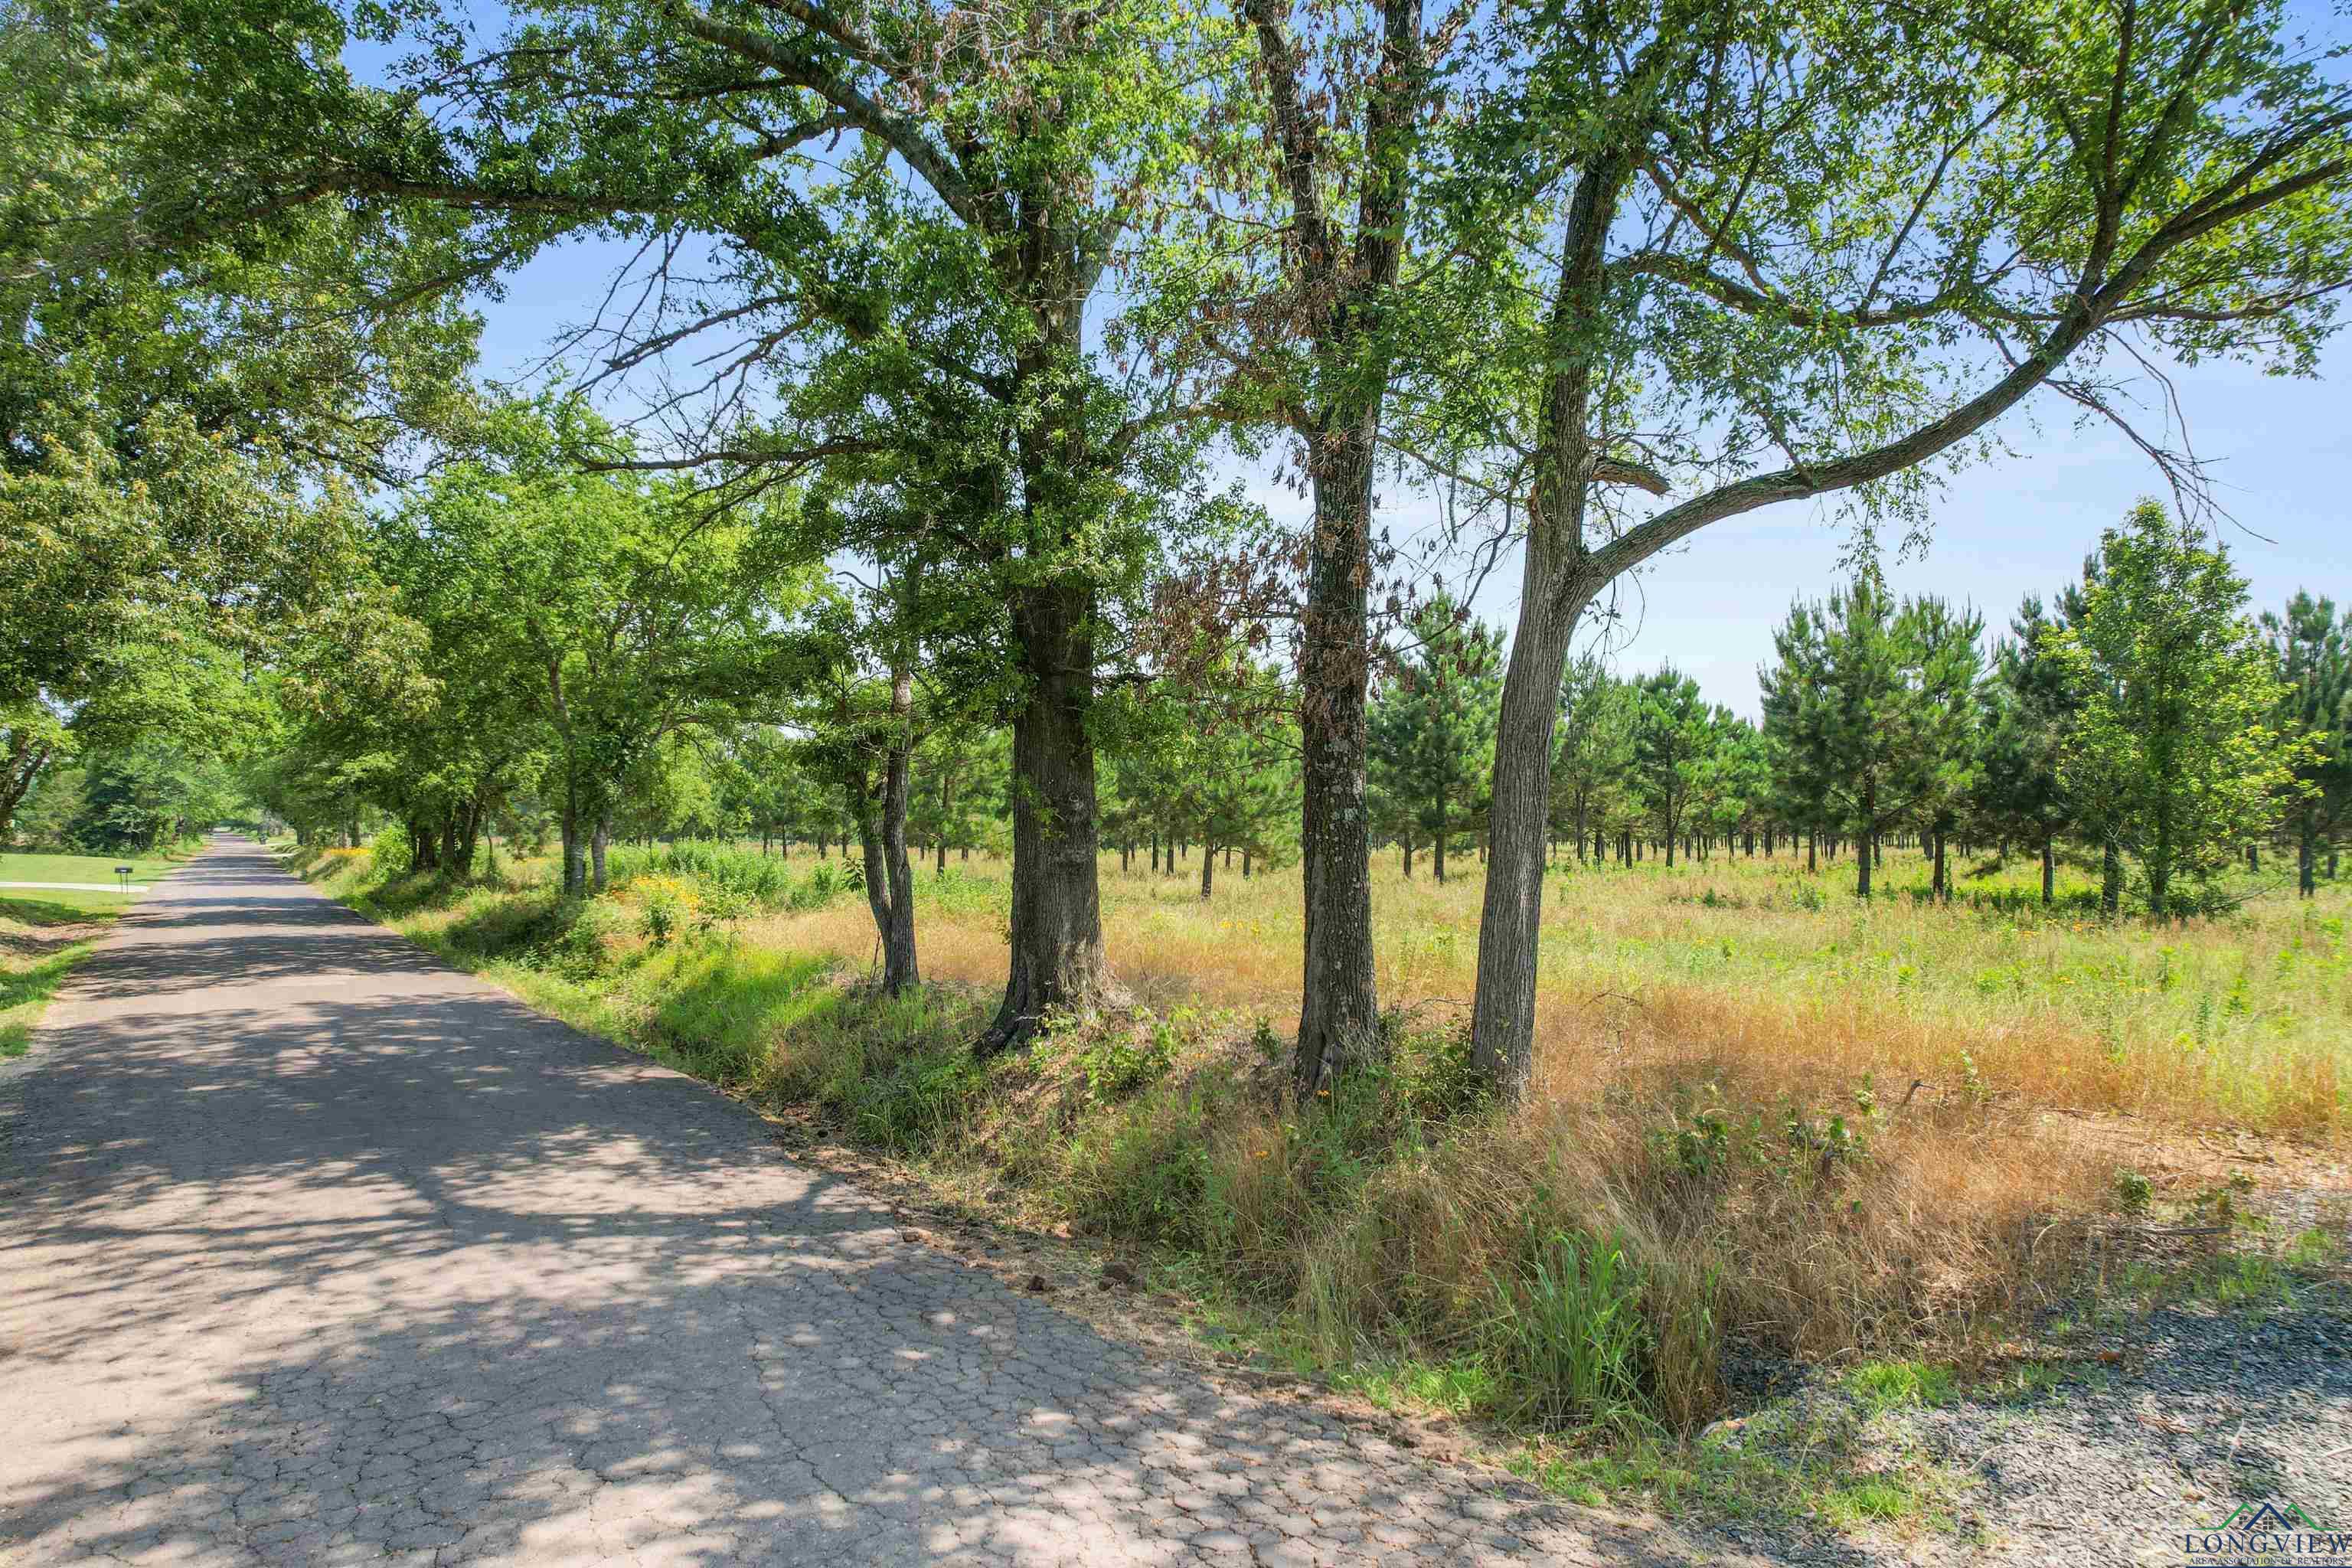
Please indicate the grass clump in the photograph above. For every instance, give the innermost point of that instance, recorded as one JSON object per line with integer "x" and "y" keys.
{"x": 1801, "y": 1130}
{"x": 32, "y": 967}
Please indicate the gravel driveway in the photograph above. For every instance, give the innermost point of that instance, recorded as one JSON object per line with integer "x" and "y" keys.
{"x": 318, "y": 1252}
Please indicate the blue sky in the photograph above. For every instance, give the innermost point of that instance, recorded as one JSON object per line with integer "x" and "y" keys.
{"x": 2282, "y": 450}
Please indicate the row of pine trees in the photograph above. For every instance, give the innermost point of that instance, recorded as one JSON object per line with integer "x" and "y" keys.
{"x": 2139, "y": 721}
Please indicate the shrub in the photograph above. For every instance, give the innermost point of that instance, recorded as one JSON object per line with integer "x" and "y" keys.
{"x": 388, "y": 853}
{"x": 664, "y": 903}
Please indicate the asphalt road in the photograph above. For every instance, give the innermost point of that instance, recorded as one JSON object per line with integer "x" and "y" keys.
{"x": 315, "y": 1251}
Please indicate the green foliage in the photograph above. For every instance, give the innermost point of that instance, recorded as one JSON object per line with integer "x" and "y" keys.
{"x": 2314, "y": 647}
{"x": 388, "y": 853}
{"x": 1118, "y": 1061}
{"x": 915, "y": 1103}
{"x": 1593, "y": 778}
{"x": 1882, "y": 1386}
{"x": 2175, "y": 759}
{"x": 1432, "y": 727}
{"x": 762, "y": 878}
{"x": 1567, "y": 1337}
{"x": 1678, "y": 749}
{"x": 1871, "y": 712}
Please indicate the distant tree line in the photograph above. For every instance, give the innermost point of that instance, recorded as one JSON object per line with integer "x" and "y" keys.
{"x": 2139, "y": 721}
{"x": 967, "y": 297}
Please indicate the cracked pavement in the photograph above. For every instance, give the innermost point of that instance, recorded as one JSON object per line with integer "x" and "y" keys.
{"x": 317, "y": 1251}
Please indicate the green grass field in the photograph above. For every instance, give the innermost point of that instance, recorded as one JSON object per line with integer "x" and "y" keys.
{"x": 97, "y": 868}
{"x": 44, "y": 931}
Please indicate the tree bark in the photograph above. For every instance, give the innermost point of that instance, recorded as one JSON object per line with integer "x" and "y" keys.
{"x": 1339, "y": 1020}
{"x": 576, "y": 872}
{"x": 2049, "y": 868}
{"x": 1556, "y": 585}
{"x": 1057, "y": 920}
{"x": 26, "y": 760}
{"x": 1348, "y": 277}
{"x": 1864, "y": 860}
{"x": 1208, "y": 869}
{"x": 1502, "y": 1025}
{"x": 596, "y": 845}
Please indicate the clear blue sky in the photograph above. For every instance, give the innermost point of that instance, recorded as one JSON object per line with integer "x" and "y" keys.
{"x": 2283, "y": 454}
{"x": 2282, "y": 450}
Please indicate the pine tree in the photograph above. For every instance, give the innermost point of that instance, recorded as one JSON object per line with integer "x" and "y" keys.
{"x": 2030, "y": 706}
{"x": 1592, "y": 775}
{"x": 1433, "y": 724}
{"x": 1676, "y": 733}
{"x": 2315, "y": 664}
{"x": 1872, "y": 709}
{"x": 2177, "y": 760}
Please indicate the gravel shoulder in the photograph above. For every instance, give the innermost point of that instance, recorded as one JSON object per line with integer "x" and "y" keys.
{"x": 2202, "y": 1409}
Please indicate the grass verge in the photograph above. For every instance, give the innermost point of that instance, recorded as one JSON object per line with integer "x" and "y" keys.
{"x": 1681, "y": 1191}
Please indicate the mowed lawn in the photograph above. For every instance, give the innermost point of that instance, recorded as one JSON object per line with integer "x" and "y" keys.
{"x": 44, "y": 931}
{"x": 92, "y": 869}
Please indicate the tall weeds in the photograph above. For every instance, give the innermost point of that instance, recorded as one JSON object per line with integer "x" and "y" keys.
{"x": 1770, "y": 1123}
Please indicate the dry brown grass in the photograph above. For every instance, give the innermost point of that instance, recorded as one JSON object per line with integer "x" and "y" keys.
{"x": 2244, "y": 1020}
{"x": 1953, "y": 1041}
{"x": 1824, "y": 1129}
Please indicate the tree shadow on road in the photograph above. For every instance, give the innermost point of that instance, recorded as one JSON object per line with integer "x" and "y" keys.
{"x": 356, "y": 1258}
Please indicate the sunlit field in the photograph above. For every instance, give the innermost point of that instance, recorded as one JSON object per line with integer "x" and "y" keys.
{"x": 2242, "y": 1020}
{"x": 1762, "y": 1114}
{"x": 44, "y": 931}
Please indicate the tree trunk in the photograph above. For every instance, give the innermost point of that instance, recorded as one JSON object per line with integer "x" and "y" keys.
{"x": 26, "y": 760}
{"x": 898, "y": 931}
{"x": 1503, "y": 1007}
{"x": 1056, "y": 925}
{"x": 1208, "y": 869}
{"x": 2307, "y": 862}
{"x": 575, "y": 870}
{"x": 2049, "y": 868}
{"x": 2110, "y": 879}
{"x": 1942, "y": 890}
{"x": 1339, "y": 1020}
{"x": 596, "y": 845}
